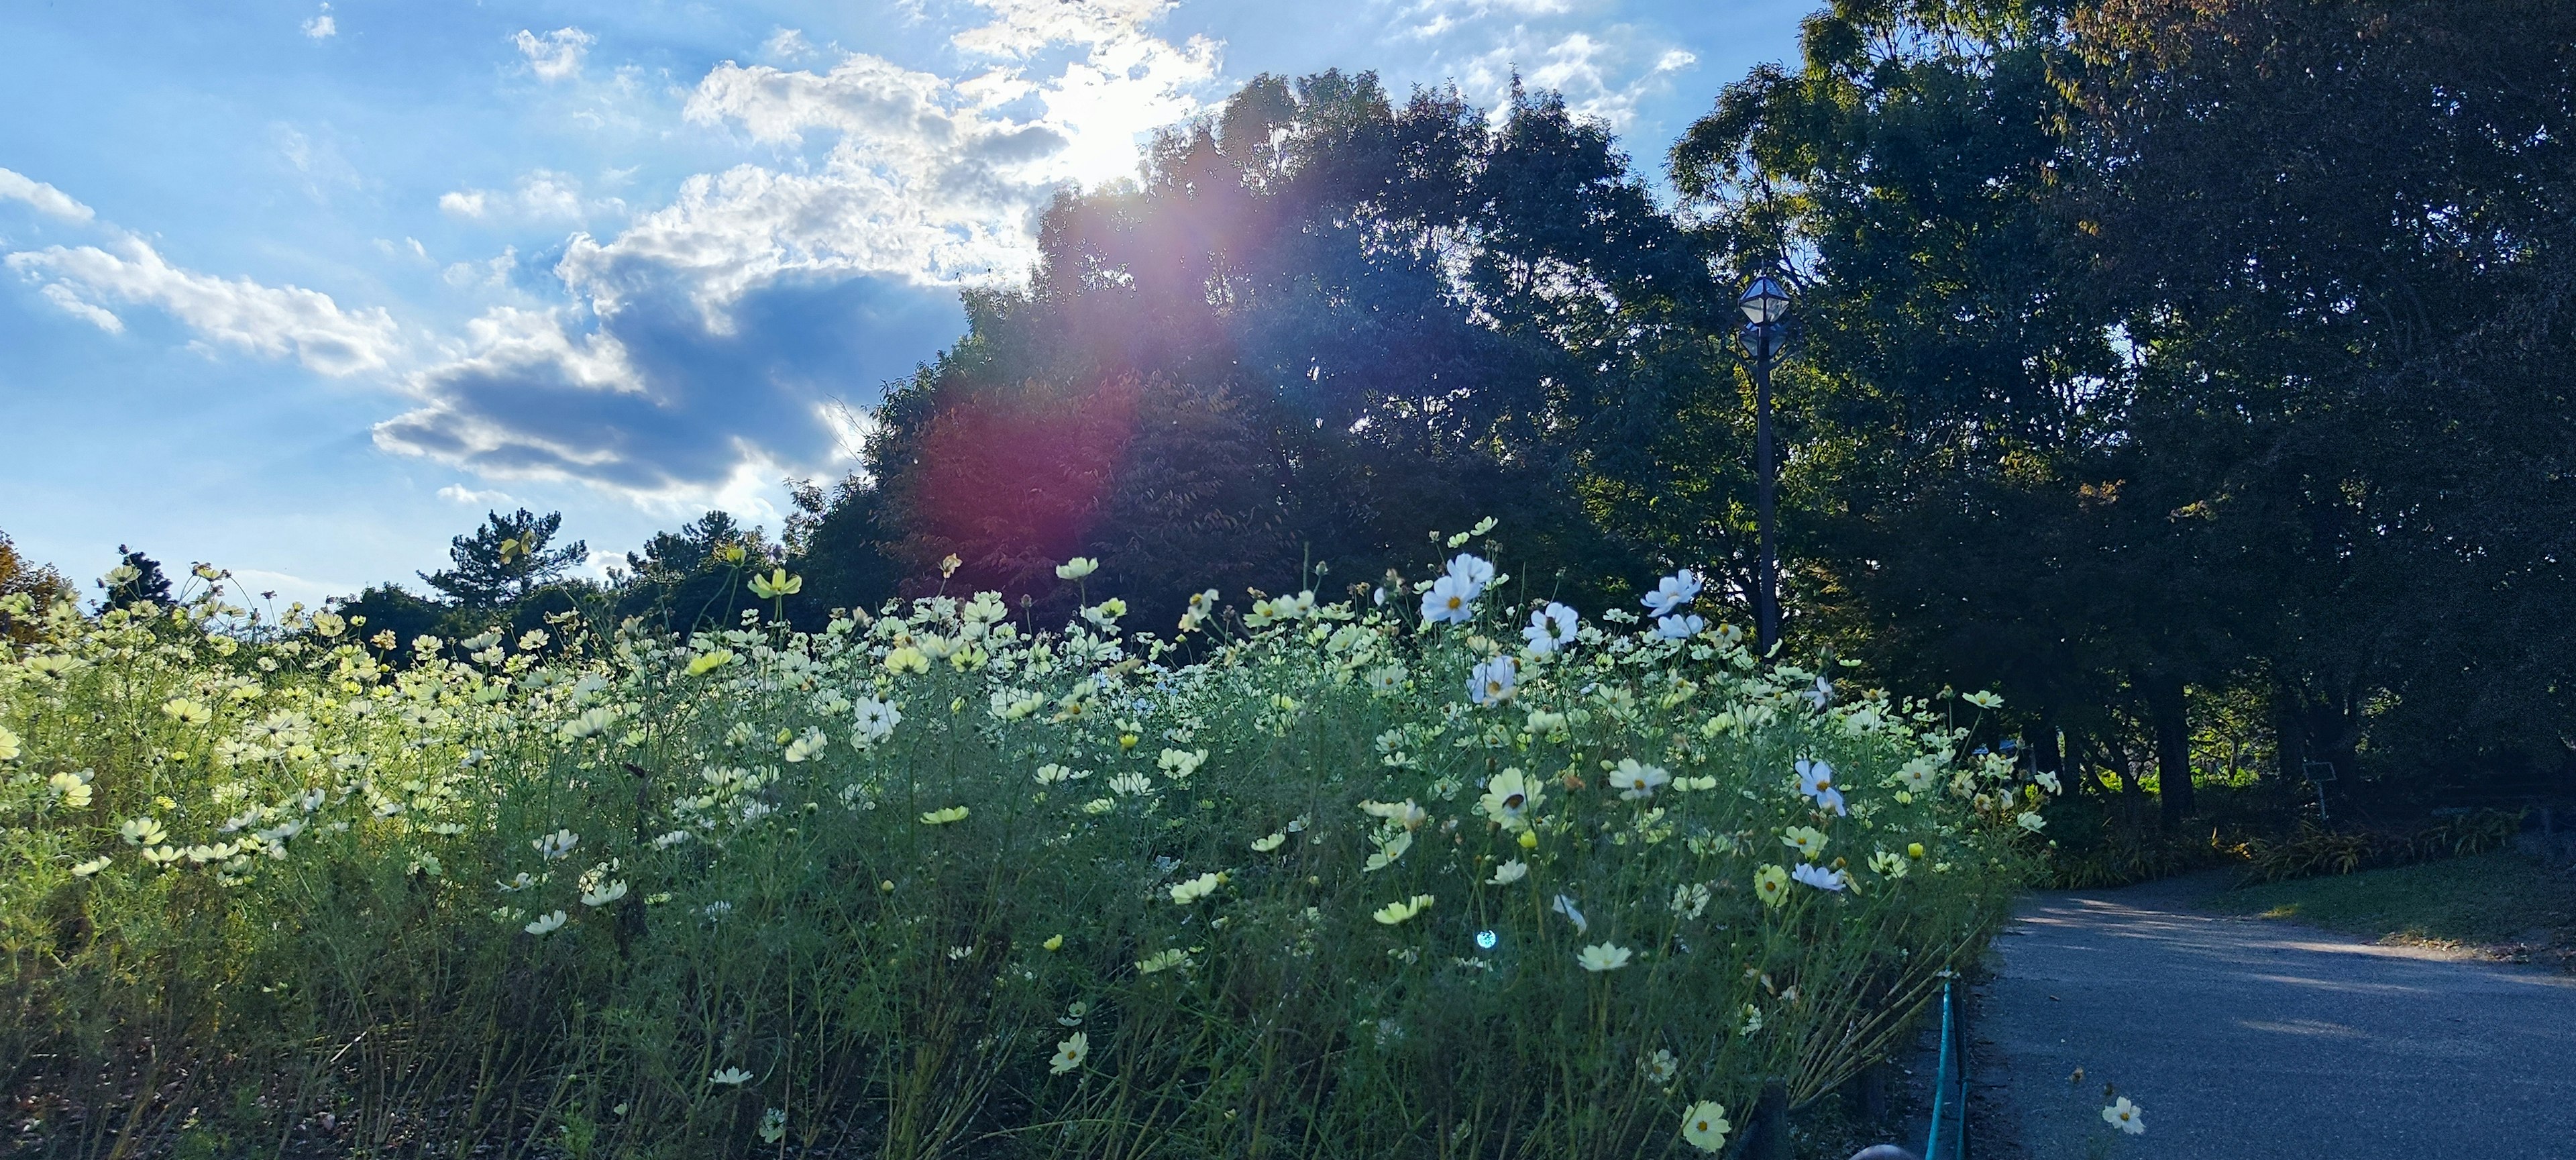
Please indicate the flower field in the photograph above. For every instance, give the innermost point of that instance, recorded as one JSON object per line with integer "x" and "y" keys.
{"x": 1405, "y": 875}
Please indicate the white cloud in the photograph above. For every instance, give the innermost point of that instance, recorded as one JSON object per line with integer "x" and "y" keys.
{"x": 16, "y": 186}
{"x": 460, "y": 494}
{"x": 95, "y": 315}
{"x": 276, "y": 321}
{"x": 322, "y": 27}
{"x": 542, "y": 195}
{"x": 786, "y": 44}
{"x": 1594, "y": 70}
{"x": 556, "y": 55}
{"x": 659, "y": 385}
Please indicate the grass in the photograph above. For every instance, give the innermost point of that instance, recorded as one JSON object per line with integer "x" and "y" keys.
{"x": 2483, "y": 900}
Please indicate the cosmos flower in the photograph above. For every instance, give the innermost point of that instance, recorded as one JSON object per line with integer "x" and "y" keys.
{"x": 1510, "y": 796}
{"x": 1679, "y": 627}
{"x": 1076, "y": 568}
{"x": 2030, "y": 821}
{"x": 1986, "y": 700}
{"x": 1185, "y": 893}
{"x": 1772, "y": 884}
{"x": 604, "y": 894}
{"x": 1397, "y": 913}
{"x": 1603, "y": 957}
{"x": 1808, "y": 841}
{"x": 1672, "y": 592}
{"x": 1816, "y": 781}
{"x": 1069, "y": 1054}
{"x": 1819, "y": 877}
{"x": 554, "y": 846}
{"x": 1704, "y": 1126}
{"x": 877, "y": 720}
{"x": 1551, "y": 628}
{"x": 1491, "y": 682}
{"x": 948, "y": 816}
{"x": 547, "y": 924}
{"x": 730, "y": 1077}
{"x": 1267, "y": 843}
{"x": 2124, "y": 1116}
{"x": 1509, "y": 872}
{"x": 1450, "y": 601}
{"x": 1472, "y": 571}
{"x": 1635, "y": 781}
{"x": 777, "y": 584}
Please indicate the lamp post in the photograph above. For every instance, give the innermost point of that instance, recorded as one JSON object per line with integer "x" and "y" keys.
{"x": 1766, "y": 308}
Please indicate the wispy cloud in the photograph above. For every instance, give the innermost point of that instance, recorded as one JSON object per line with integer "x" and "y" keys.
{"x": 322, "y": 27}
{"x": 46, "y": 199}
{"x": 275, "y": 321}
{"x": 555, "y": 55}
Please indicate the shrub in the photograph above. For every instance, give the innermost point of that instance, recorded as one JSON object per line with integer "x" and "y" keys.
{"x": 928, "y": 883}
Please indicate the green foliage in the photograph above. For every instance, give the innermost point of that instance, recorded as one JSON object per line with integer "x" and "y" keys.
{"x": 1072, "y": 896}
{"x": 2483, "y": 898}
{"x": 505, "y": 560}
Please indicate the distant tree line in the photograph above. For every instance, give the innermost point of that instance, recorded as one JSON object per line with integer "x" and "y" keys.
{"x": 2195, "y": 373}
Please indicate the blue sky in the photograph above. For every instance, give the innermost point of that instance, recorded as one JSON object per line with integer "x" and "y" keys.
{"x": 303, "y": 288}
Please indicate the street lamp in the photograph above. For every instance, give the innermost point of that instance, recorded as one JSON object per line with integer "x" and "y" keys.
{"x": 1766, "y": 309}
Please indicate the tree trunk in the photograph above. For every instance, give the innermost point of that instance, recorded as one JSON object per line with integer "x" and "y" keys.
{"x": 2165, "y": 706}
{"x": 2045, "y": 757}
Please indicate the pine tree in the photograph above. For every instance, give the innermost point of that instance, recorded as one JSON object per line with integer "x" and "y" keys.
{"x": 505, "y": 560}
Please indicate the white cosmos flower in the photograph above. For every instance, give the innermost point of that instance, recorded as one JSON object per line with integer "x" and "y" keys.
{"x": 1509, "y": 796}
{"x": 1635, "y": 781}
{"x": 1573, "y": 914}
{"x": 877, "y": 720}
{"x": 1672, "y": 592}
{"x": 2030, "y": 821}
{"x": 1816, "y": 781}
{"x": 1069, "y": 1054}
{"x": 806, "y": 746}
{"x": 730, "y": 1077}
{"x": 1509, "y": 872}
{"x": 1491, "y": 682}
{"x": 2125, "y": 1116}
{"x": 1185, "y": 893}
{"x": 555, "y": 845}
{"x": 1551, "y": 628}
{"x": 1704, "y": 1126}
{"x": 1679, "y": 627}
{"x": 1450, "y": 601}
{"x": 547, "y": 924}
{"x": 1473, "y": 571}
{"x": 1603, "y": 957}
{"x": 603, "y": 895}
{"x": 1818, "y": 876}
{"x": 1076, "y": 568}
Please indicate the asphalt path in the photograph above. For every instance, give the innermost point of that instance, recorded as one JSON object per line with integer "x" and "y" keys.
{"x": 2250, "y": 1039}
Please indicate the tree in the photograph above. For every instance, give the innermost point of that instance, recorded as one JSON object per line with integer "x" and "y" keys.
{"x": 505, "y": 560}
{"x": 38, "y": 585}
{"x": 1320, "y": 326}
{"x": 148, "y": 584}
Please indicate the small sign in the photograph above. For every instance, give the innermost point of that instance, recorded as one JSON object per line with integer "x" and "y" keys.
{"x": 2317, "y": 771}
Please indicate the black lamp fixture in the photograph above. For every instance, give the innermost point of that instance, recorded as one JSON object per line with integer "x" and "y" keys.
{"x": 1766, "y": 309}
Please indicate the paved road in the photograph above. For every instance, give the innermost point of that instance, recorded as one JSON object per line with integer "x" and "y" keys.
{"x": 2245, "y": 1039}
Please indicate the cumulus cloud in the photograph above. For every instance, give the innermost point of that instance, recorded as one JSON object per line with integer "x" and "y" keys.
{"x": 322, "y": 27}
{"x": 556, "y": 55}
{"x": 708, "y": 335}
{"x": 52, "y": 202}
{"x": 275, "y": 321}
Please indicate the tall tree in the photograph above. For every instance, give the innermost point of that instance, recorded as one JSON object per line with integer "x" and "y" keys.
{"x": 505, "y": 560}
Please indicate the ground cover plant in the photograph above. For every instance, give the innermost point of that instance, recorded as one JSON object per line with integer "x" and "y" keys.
{"x": 2480, "y": 900}
{"x": 1401, "y": 875}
